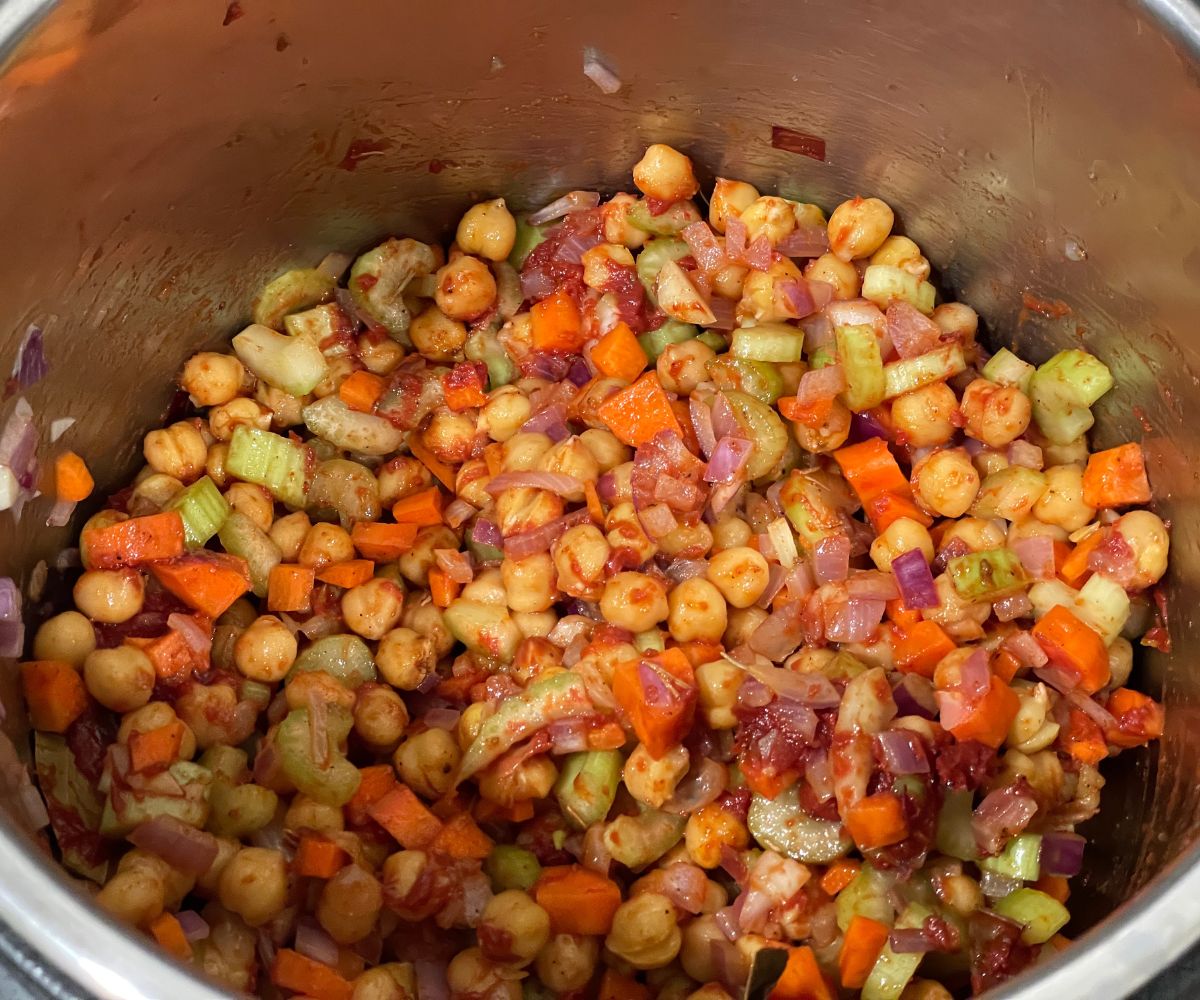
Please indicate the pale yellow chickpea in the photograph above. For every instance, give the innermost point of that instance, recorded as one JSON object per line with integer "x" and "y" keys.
{"x": 155, "y": 715}
{"x": 486, "y": 588}
{"x": 902, "y": 535}
{"x": 405, "y": 658}
{"x": 1031, "y": 527}
{"x": 253, "y": 501}
{"x": 67, "y": 637}
{"x": 622, "y": 484}
{"x": 212, "y": 379}
{"x": 571, "y": 457}
{"x": 717, "y": 683}
{"x": 665, "y": 173}
{"x": 989, "y": 460}
{"x": 425, "y": 618}
{"x": 349, "y": 904}
{"x": 503, "y": 414}
{"x": 996, "y": 414}
{"x": 379, "y": 355}
{"x": 488, "y": 230}
{"x": 513, "y": 928}
{"x": 926, "y": 415}
{"x": 535, "y": 624}
{"x": 400, "y": 477}
{"x": 730, "y": 533}
{"x": 470, "y": 975}
{"x": 958, "y": 319}
{"x": 266, "y": 651}
{"x": 687, "y": 541}
{"x": 1147, "y": 536}
{"x": 839, "y": 274}
{"x": 465, "y": 289}
{"x": 606, "y": 448}
{"x": 153, "y": 492}
{"x": 469, "y": 723}
{"x": 416, "y": 563}
{"x": 289, "y": 533}
{"x": 682, "y": 367}
{"x": 380, "y": 717}
{"x": 427, "y": 761}
{"x": 698, "y": 612}
{"x": 567, "y": 962}
{"x": 391, "y": 981}
{"x": 109, "y": 595}
{"x": 901, "y": 252}
{"x": 214, "y": 464}
{"x": 580, "y": 556}
{"x": 373, "y": 608}
{"x": 625, "y": 532}
{"x": 524, "y": 508}
{"x": 121, "y": 678}
{"x": 1062, "y": 503}
{"x": 523, "y": 451}
{"x": 325, "y": 544}
{"x": 529, "y": 582}
{"x": 696, "y": 951}
{"x": 858, "y": 227}
{"x": 768, "y": 216}
{"x": 223, "y": 420}
{"x": 652, "y": 780}
{"x": 471, "y": 482}
{"x": 946, "y": 482}
{"x": 711, "y": 828}
{"x": 742, "y": 623}
{"x": 435, "y": 335}
{"x": 729, "y": 199}
{"x": 740, "y": 573}
{"x": 729, "y": 281}
{"x": 179, "y": 450}
{"x": 634, "y": 601}
{"x": 976, "y": 533}
{"x": 254, "y": 885}
{"x": 176, "y": 883}
{"x": 960, "y": 617}
{"x": 615, "y": 224}
{"x": 644, "y": 932}
{"x": 531, "y": 779}
{"x": 449, "y": 435}
{"x": 599, "y": 261}
{"x": 136, "y": 897}
{"x": 304, "y": 813}
{"x": 1120, "y": 661}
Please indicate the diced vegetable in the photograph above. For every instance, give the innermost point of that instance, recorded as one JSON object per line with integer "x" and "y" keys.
{"x": 181, "y": 791}
{"x": 1062, "y": 391}
{"x": 202, "y": 509}
{"x": 619, "y": 355}
{"x": 782, "y": 825}
{"x": 206, "y": 581}
{"x": 892, "y": 971}
{"x": 557, "y": 324}
{"x": 486, "y": 629}
{"x": 361, "y": 390}
{"x": 908, "y": 374}
{"x": 987, "y": 576}
{"x": 527, "y": 238}
{"x": 810, "y": 508}
{"x": 759, "y": 379}
{"x": 484, "y": 346}
{"x": 658, "y": 695}
{"x": 423, "y": 508}
{"x": 638, "y": 412}
{"x": 346, "y": 658}
{"x": 266, "y": 459}
{"x": 364, "y": 433}
{"x": 1104, "y": 605}
{"x": 955, "y": 835}
{"x": 135, "y": 542}
{"x": 1116, "y": 478}
{"x": 858, "y": 349}
{"x": 869, "y": 896}
{"x": 861, "y": 947}
{"x": 1009, "y": 493}
{"x": 290, "y": 587}
{"x": 587, "y": 785}
{"x": 776, "y": 342}
{"x": 760, "y": 425}
{"x": 653, "y": 256}
{"x": 383, "y": 542}
{"x": 72, "y": 480}
{"x": 1018, "y": 860}
{"x": 1042, "y": 915}
{"x": 380, "y": 276}
{"x": 1073, "y": 646}
{"x": 54, "y": 694}
{"x": 1005, "y": 368}
{"x": 512, "y": 867}
{"x": 330, "y": 781}
{"x": 639, "y": 841}
{"x": 885, "y": 283}
{"x": 669, "y": 223}
{"x": 74, "y": 804}
{"x": 658, "y": 340}
{"x": 240, "y": 536}
{"x": 291, "y": 292}
{"x": 577, "y": 900}
{"x": 292, "y": 364}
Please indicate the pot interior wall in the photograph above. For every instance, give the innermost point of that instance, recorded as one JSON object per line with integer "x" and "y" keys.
{"x": 159, "y": 165}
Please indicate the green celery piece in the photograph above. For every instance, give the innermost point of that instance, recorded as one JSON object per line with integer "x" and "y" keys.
{"x": 955, "y": 835}
{"x": 332, "y": 782}
{"x": 527, "y": 238}
{"x": 1043, "y": 915}
{"x": 317, "y": 324}
{"x": 125, "y": 811}
{"x": 559, "y": 696}
{"x": 1005, "y": 368}
{"x": 650, "y": 641}
{"x": 292, "y": 292}
{"x": 893, "y": 970}
{"x": 346, "y": 658}
{"x": 366, "y": 433}
{"x": 1019, "y": 859}
{"x": 266, "y": 459}
{"x": 202, "y": 509}
{"x": 1062, "y": 392}
{"x": 884, "y": 283}
{"x": 782, "y": 825}
{"x": 775, "y": 342}
{"x": 1045, "y": 594}
{"x": 379, "y": 277}
{"x": 639, "y": 841}
{"x": 484, "y": 346}
{"x": 484, "y": 553}
{"x": 1104, "y": 605}
{"x": 485, "y": 629}
{"x": 809, "y": 507}
{"x": 512, "y": 867}
{"x": 292, "y": 364}
{"x": 587, "y": 785}
{"x": 760, "y": 425}
{"x": 822, "y": 357}
{"x": 73, "y": 796}
{"x": 908, "y": 374}
{"x": 654, "y": 342}
{"x": 760, "y": 379}
{"x": 240, "y": 536}
{"x": 670, "y": 223}
{"x": 1009, "y": 493}
{"x": 653, "y": 255}
{"x": 867, "y": 896}
{"x": 255, "y": 692}
{"x": 858, "y": 348}
{"x": 710, "y": 338}
{"x": 988, "y": 575}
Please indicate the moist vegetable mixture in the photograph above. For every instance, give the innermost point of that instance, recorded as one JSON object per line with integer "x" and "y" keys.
{"x": 577, "y": 611}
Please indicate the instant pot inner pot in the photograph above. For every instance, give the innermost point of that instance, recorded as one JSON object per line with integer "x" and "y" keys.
{"x": 160, "y": 161}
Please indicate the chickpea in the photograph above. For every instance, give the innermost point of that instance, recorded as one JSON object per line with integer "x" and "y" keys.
{"x": 742, "y": 623}
{"x": 349, "y": 904}
{"x": 449, "y": 435}
{"x": 400, "y": 477}
{"x": 1032, "y": 729}
{"x": 1072, "y": 453}
{"x": 254, "y": 885}
{"x": 729, "y": 281}
{"x": 729, "y": 200}
{"x": 465, "y": 290}
{"x": 266, "y": 651}
{"x": 136, "y": 897}
{"x": 688, "y": 541}
{"x": 709, "y": 991}
{"x": 957, "y": 319}
{"x": 634, "y": 601}
{"x": 902, "y": 535}
{"x": 214, "y": 464}
{"x": 961, "y": 618}
{"x": 373, "y": 608}
{"x": 224, "y": 419}
{"x": 176, "y": 884}
{"x": 427, "y": 762}
{"x": 996, "y": 414}
{"x": 487, "y": 588}
{"x": 155, "y": 715}
{"x": 1120, "y": 662}
{"x": 289, "y": 533}
{"x": 523, "y": 451}
{"x": 901, "y": 252}
{"x": 622, "y": 483}
{"x": 652, "y": 780}
{"x": 470, "y": 722}
{"x": 580, "y": 556}
{"x": 625, "y": 532}
{"x": 531, "y": 779}
{"x": 571, "y": 457}
{"x": 1146, "y": 535}
{"x": 946, "y": 482}
{"x": 529, "y": 582}
{"x": 121, "y": 679}
{"x": 926, "y": 415}
{"x": 380, "y": 717}
{"x": 524, "y": 508}
{"x": 337, "y": 371}
{"x": 567, "y": 962}
{"x": 206, "y": 884}
{"x": 211, "y": 712}
{"x": 470, "y": 975}
{"x": 380, "y": 355}
{"x": 665, "y": 173}
{"x": 696, "y": 948}
{"x": 416, "y": 563}
{"x": 513, "y": 928}
{"x": 1031, "y": 527}
{"x": 730, "y": 533}
{"x": 718, "y": 683}
{"x": 488, "y": 230}
{"x": 67, "y": 637}
{"x": 391, "y": 981}
{"x": 253, "y": 501}
{"x": 617, "y": 228}
{"x": 325, "y": 544}
{"x": 978, "y": 534}
{"x": 602, "y": 261}
{"x": 426, "y": 620}
{"x": 1062, "y": 503}
{"x": 644, "y": 932}
{"x": 682, "y": 367}
{"x": 841, "y": 275}
{"x": 304, "y": 813}
{"x": 405, "y": 659}
{"x": 697, "y": 612}
{"x": 740, "y": 573}
{"x": 503, "y": 414}
{"x": 212, "y": 379}
{"x": 1043, "y": 770}
{"x": 858, "y": 227}
{"x": 179, "y": 450}
{"x": 435, "y": 335}
{"x": 153, "y": 493}
{"x": 710, "y": 828}
{"x": 768, "y": 216}
{"x": 605, "y": 447}
{"x": 532, "y": 624}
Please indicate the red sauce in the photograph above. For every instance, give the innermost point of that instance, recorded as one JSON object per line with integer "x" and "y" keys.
{"x": 1050, "y": 308}
{"x": 791, "y": 141}
{"x": 360, "y": 149}
{"x": 232, "y": 13}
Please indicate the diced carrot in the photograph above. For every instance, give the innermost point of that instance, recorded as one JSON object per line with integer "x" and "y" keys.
{"x": 383, "y": 542}
{"x": 171, "y": 656}
{"x": 442, "y": 588}
{"x": 168, "y": 932}
{"x": 988, "y": 719}
{"x": 812, "y": 414}
{"x": 614, "y": 986}
{"x": 700, "y": 652}
{"x": 877, "y": 820}
{"x": 683, "y": 416}
{"x": 871, "y": 469}
{"x": 318, "y": 857}
{"x": 839, "y": 875}
{"x": 361, "y": 390}
{"x": 1074, "y": 569}
{"x": 54, "y": 694}
{"x": 463, "y": 386}
{"x": 308, "y": 977}
{"x": 136, "y": 541}
{"x": 442, "y": 472}
{"x": 888, "y": 506}
{"x": 619, "y": 355}
{"x": 206, "y": 581}
{"x": 1083, "y": 738}
{"x": 1054, "y": 886}
{"x": 861, "y": 946}
{"x": 639, "y": 411}
{"x": 594, "y": 506}
{"x": 518, "y": 812}
{"x": 374, "y": 783}
{"x": 557, "y": 324}
{"x": 406, "y": 818}
{"x": 290, "y": 587}
{"x": 1074, "y": 646}
{"x": 901, "y": 613}
{"x": 493, "y": 456}
{"x": 461, "y": 838}
{"x": 424, "y": 509}
{"x": 609, "y": 736}
{"x": 578, "y": 900}
{"x": 801, "y": 979}
{"x": 72, "y": 480}
{"x": 661, "y": 716}
{"x": 156, "y": 749}
{"x": 347, "y": 574}
{"x": 920, "y": 647}
{"x": 1005, "y": 665}
{"x": 1062, "y": 550}
{"x": 1116, "y": 478}
{"x": 1139, "y": 718}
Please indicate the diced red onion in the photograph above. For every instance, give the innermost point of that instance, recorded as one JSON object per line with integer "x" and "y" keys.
{"x": 568, "y": 627}
{"x": 536, "y": 284}
{"x": 1014, "y": 606}
{"x": 486, "y": 532}
{"x": 831, "y": 559}
{"x": 568, "y": 735}
{"x": 819, "y": 774}
{"x": 727, "y": 919}
{"x": 60, "y": 513}
{"x": 724, "y": 315}
{"x": 872, "y": 585}
{"x": 458, "y": 512}
{"x": 31, "y": 365}
{"x": 902, "y": 752}
{"x": 853, "y": 620}
{"x": 779, "y": 635}
{"x": 657, "y": 520}
{"x": 574, "y": 201}
{"x": 576, "y": 244}
{"x": 181, "y": 846}
{"x": 686, "y": 569}
{"x": 599, "y": 74}
{"x": 1025, "y": 454}
{"x": 559, "y": 483}
{"x": 194, "y": 926}
{"x": 60, "y": 427}
{"x": 1026, "y": 649}
{"x": 1037, "y": 556}
{"x": 813, "y": 690}
{"x": 776, "y": 575}
{"x": 799, "y": 581}
{"x": 1002, "y": 814}
{"x": 818, "y": 331}
{"x": 684, "y": 885}
{"x": 758, "y": 254}
{"x": 800, "y": 300}
{"x": 702, "y": 424}
{"x": 728, "y": 462}
{"x": 442, "y": 718}
{"x": 703, "y": 784}
{"x": 540, "y": 539}
{"x": 1058, "y": 678}
{"x": 914, "y": 696}
{"x": 973, "y": 446}
{"x": 804, "y": 241}
{"x": 864, "y": 426}
{"x": 754, "y": 694}
{"x": 551, "y": 421}
{"x": 579, "y": 373}
{"x": 1061, "y": 853}
{"x": 723, "y": 422}
{"x": 856, "y": 312}
{"x": 911, "y": 941}
{"x": 704, "y": 246}
{"x": 911, "y": 332}
{"x": 10, "y": 600}
{"x": 312, "y": 941}
{"x": 1092, "y": 709}
{"x": 595, "y": 854}
{"x": 997, "y": 886}
{"x": 12, "y": 639}
{"x": 18, "y": 445}
{"x": 334, "y": 264}
{"x": 915, "y": 580}
{"x": 821, "y": 384}
{"x": 455, "y": 564}
{"x": 974, "y": 675}
{"x": 736, "y": 238}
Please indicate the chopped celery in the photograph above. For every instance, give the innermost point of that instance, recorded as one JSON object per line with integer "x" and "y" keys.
{"x": 760, "y": 425}
{"x": 670, "y": 223}
{"x": 292, "y": 364}
{"x": 332, "y": 781}
{"x": 782, "y": 825}
{"x": 202, "y": 509}
{"x": 955, "y": 835}
{"x": 822, "y": 357}
{"x": 380, "y": 276}
{"x": 317, "y": 324}
{"x": 884, "y": 283}
{"x": 760, "y": 379}
{"x": 1104, "y": 605}
{"x": 892, "y": 970}
{"x": 1062, "y": 392}
{"x": 342, "y": 427}
{"x": 843, "y": 667}
{"x": 346, "y": 489}
{"x": 776, "y": 342}
{"x": 528, "y": 236}
{"x": 1005, "y": 368}
{"x": 988, "y": 575}
{"x": 650, "y": 640}
{"x": 672, "y": 331}
{"x": 346, "y": 658}
{"x": 240, "y": 536}
{"x": 1009, "y": 493}
{"x": 512, "y": 867}
{"x": 925, "y": 369}
{"x": 858, "y": 348}
{"x": 653, "y": 255}
{"x": 587, "y": 785}
{"x": 485, "y": 629}
{"x": 1043, "y": 915}
{"x": 291, "y": 292}
{"x": 810, "y": 508}
{"x": 1046, "y": 594}
{"x": 710, "y": 338}
{"x": 1018, "y": 860}
{"x": 484, "y": 554}
{"x": 638, "y": 841}
{"x": 76, "y": 804}
{"x": 180, "y": 791}
{"x": 279, "y": 464}
{"x": 484, "y": 346}
{"x": 869, "y": 895}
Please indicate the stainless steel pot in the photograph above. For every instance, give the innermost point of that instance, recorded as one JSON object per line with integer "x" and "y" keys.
{"x": 156, "y": 164}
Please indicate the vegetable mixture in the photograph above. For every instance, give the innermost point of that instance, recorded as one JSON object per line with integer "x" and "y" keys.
{"x": 577, "y": 611}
